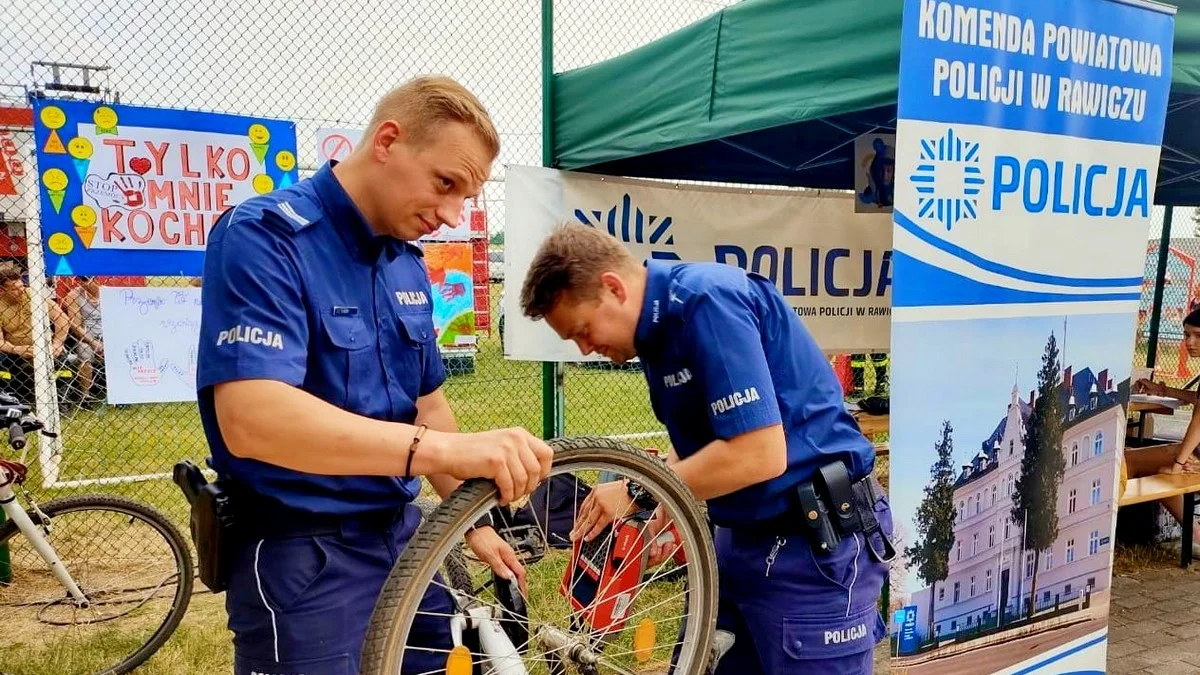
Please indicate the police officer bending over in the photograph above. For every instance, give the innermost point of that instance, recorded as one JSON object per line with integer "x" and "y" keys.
{"x": 320, "y": 386}
{"x": 758, "y": 429}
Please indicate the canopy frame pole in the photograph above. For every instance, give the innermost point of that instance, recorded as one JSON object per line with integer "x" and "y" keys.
{"x": 1160, "y": 277}
{"x": 553, "y": 374}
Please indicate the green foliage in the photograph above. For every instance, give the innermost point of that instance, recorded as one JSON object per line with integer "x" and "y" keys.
{"x": 935, "y": 519}
{"x": 1035, "y": 494}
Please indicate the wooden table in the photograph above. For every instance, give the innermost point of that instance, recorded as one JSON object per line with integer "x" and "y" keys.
{"x": 1143, "y": 408}
{"x": 872, "y": 424}
{"x": 1162, "y": 486}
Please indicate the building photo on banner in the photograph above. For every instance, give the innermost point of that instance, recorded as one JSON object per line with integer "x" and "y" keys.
{"x": 1026, "y": 161}
{"x": 834, "y": 266}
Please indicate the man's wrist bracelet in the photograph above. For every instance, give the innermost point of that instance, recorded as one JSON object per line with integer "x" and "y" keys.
{"x": 412, "y": 450}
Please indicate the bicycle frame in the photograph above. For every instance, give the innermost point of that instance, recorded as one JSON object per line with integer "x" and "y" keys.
{"x": 500, "y": 652}
{"x": 12, "y": 508}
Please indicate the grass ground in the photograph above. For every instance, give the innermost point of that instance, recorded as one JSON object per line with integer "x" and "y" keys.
{"x": 148, "y": 439}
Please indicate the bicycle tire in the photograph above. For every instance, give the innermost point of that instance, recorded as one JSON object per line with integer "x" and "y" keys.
{"x": 179, "y": 546}
{"x": 398, "y": 599}
{"x": 454, "y": 567}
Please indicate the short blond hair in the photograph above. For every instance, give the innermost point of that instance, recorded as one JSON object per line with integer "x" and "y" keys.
{"x": 424, "y": 103}
{"x": 569, "y": 263}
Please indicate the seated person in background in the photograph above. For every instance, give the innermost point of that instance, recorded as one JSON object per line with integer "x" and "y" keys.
{"x": 1173, "y": 457}
{"x": 16, "y": 332}
{"x": 83, "y": 309}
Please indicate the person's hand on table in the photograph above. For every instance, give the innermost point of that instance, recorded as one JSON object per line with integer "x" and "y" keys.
{"x": 1190, "y": 465}
{"x": 1145, "y": 386}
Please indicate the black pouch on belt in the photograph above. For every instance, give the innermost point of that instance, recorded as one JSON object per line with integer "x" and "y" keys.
{"x": 212, "y": 524}
{"x": 825, "y": 538}
{"x": 854, "y": 508}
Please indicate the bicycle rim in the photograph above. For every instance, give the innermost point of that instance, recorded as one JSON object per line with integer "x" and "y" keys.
{"x": 135, "y": 608}
{"x": 397, "y": 606}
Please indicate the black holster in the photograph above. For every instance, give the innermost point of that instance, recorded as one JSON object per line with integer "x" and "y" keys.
{"x": 834, "y": 507}
{"x": 213, "y": 524}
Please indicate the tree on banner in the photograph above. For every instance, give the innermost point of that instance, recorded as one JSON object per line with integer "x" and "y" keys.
{"x": 1035, "y": 493}
{"x": 935, "y": 520}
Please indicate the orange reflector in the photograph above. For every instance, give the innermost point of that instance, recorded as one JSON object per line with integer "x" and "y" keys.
{"x": 643, "y": 641}
{"x": 459, "y": 661}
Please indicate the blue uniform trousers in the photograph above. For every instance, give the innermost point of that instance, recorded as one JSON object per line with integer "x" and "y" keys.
{"x": 799, "y": 612}
{"x": 299, "y": 605}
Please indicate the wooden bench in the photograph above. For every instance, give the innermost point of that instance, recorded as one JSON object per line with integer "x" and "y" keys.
{"x": 1161, "y": 486}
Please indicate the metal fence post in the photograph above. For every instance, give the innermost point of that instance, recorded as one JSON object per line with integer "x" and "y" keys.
{"x": 1160, "y": 277}
{"x": 553, "y": 375}
{"x": 5, "y": 563}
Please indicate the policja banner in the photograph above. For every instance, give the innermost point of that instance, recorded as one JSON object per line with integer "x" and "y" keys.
{"x": 1027, "y": 152}
{"x": 832, "y": 264}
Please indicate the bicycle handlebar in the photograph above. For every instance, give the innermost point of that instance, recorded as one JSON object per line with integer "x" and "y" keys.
{"x": 16, "y": 435}
{"x": 20, "y": 422}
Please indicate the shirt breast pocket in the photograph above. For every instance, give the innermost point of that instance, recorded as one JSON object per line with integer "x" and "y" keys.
{"x": 420, "y": 342}
{"x": 349, "y": 361}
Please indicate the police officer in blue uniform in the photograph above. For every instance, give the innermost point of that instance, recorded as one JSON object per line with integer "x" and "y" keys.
{"x": 758, "y": 429}
{"x": 319, "y": 384}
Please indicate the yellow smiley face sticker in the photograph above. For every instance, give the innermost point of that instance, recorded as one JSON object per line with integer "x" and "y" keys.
{"x": 285, "y": 160}
{"x": 60, "y": 243}
{"x": 263, "y": 184}
{"x": 105, "y": 117}
{"x": 258, "y": 134}
{"x": 79, "y": 148}
{"x": 54, "y": 179}
{"x": 53, "y": 117}
{"x": 83, "y": 216}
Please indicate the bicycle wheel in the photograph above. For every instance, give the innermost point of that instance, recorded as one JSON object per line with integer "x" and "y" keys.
{"x": 550, "y": 646}
{"x": 131, "y": 563}
{"x": 454, "y": 567}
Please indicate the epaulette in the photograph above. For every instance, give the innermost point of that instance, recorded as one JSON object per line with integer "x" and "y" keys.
{"x": 297, "y": 211}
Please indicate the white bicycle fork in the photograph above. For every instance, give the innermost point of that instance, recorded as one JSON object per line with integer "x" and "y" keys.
{"x": 502, "y": 656}
{"x": 34, "y": 534}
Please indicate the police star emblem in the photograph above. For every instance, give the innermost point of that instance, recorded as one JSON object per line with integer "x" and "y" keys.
{"x": 948, "y": 179}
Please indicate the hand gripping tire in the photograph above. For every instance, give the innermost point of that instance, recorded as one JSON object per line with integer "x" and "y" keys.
{"x": 436, "y": 544}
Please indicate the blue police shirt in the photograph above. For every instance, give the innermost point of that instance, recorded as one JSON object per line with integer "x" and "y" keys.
{"x": 716, "y": 339}
{"x": 298, "y": 289}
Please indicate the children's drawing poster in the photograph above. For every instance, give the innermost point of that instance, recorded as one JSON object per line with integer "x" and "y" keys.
{"x": 135, "y": 190}
{"x": 150, "y": 338}
{"x": 449, "y": 266}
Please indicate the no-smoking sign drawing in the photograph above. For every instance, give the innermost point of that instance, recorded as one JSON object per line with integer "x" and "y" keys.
{"x": 336, "y": 144}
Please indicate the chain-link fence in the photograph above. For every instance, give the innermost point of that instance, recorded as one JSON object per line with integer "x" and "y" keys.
{"x": 320, "y": 66}
{"x": 1180, "y": 295}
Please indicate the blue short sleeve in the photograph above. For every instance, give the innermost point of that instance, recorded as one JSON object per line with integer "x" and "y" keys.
{"x": 725, "y": 346}
{"x": 253, "y": 323}
{"x": 434, "y": 372}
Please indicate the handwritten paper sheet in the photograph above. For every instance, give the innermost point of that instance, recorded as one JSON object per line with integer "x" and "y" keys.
{"x": 150, "y": 338}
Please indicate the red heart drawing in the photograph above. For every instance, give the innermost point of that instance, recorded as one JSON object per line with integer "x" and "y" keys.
{"x": 140, "y": 165}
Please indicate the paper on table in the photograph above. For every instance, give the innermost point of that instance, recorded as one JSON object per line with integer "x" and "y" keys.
{"x": 1160, "y": 400}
